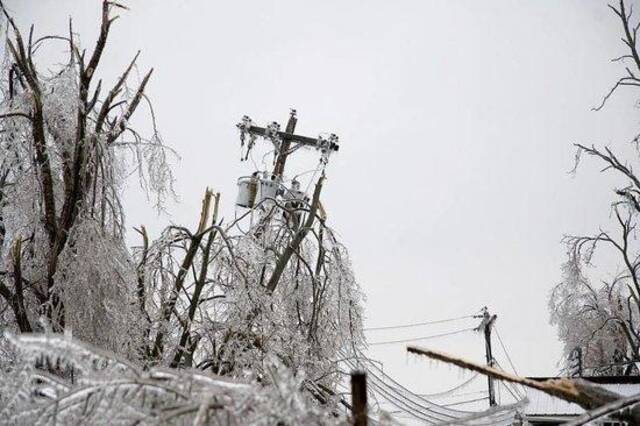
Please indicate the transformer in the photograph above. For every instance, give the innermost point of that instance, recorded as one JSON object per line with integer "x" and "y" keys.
{"x": 254, "y": 189}
{"x": 247, "y": 191}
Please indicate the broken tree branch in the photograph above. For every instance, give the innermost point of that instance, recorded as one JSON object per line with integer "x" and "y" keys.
{"x": 580, "y": 392}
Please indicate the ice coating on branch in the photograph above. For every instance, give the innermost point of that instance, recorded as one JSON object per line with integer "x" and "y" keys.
{"x": 101, "y": 308}
{"x": 305, "y": 322}
{"x": 594, "y": 315}
{"x": 92, "y": 386}
{"x": 63, "y": 163}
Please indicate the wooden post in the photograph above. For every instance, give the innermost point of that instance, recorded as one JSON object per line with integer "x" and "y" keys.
{"x": 359, "y": 398}
{"x": 286, "y": 144}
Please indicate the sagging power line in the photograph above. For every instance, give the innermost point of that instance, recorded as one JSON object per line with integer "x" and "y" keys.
{"x": 419, "y": 324}
{"x": 416, "y": 339}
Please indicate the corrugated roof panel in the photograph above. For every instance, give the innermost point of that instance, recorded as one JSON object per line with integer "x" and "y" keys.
{"x": 542, "y": 404}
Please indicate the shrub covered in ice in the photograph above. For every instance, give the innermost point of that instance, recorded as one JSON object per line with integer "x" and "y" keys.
{"x": 55, "y": 379}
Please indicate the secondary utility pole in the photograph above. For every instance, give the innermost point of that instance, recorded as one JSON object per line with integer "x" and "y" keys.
{"x": 485, "y": 325}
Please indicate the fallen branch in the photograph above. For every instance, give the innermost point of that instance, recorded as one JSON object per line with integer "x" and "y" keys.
{"x": 580, "y": 392}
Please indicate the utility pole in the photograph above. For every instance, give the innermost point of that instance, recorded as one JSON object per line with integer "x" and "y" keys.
{"x": 485, "y": 326}
{"x": 278, "y": 170}
{"x": 359, "y": 398}
{"x": 262, "y": 185}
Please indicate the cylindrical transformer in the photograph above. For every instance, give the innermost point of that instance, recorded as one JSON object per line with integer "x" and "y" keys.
{"x": 247, "y": 191}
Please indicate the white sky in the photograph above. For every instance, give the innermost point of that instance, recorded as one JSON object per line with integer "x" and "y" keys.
{"x": 456, "y": 121}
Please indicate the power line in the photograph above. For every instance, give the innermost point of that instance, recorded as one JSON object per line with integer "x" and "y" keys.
{"x": 452, "y": 390}
{"x": 457, "y": 395}
{"x": 401, "y": 401}
{"x": 504, "y": 349}
{"x": 418, "y": 324}
{"x": 406, "y": 392}
{"x": 518, "y": 397}
{"x": 425, "y": 410}
{"x": 498, "y": 415}
{"x": 415, "y": 339}
{"x": 466, "y": 402}
{"x": 510, "y": 386}
{"x": 513, "y": 367}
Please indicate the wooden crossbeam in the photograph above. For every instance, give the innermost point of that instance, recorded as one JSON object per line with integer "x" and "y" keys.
{"x": 302, "y": 140}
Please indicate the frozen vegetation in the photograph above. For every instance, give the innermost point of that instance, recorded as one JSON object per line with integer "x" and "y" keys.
{"x": 199, "y": 325}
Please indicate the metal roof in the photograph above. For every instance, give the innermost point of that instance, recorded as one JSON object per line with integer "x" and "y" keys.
{"x": 541, "y": 404}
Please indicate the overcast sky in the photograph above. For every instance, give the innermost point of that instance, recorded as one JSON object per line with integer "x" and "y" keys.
{"x": 456, "y": 122}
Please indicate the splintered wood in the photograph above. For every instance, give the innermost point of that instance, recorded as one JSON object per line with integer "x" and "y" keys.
{"x": 578, "y": 391}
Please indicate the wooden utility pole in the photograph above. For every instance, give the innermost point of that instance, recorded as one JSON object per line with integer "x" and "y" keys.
{"x": 485, "y": 326}
{"x": 359, "y": 398}
{"x": 285, "y": 143}
{"x": 278, "y": 170}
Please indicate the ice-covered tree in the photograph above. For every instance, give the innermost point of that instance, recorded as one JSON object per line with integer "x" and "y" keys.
{"x": 65, "y": 148}
{"x": 230, "y": 302}
{"x": 601, "y": 319}
{"x": 98, "y": 387}
{"x": 597, "y": 313}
